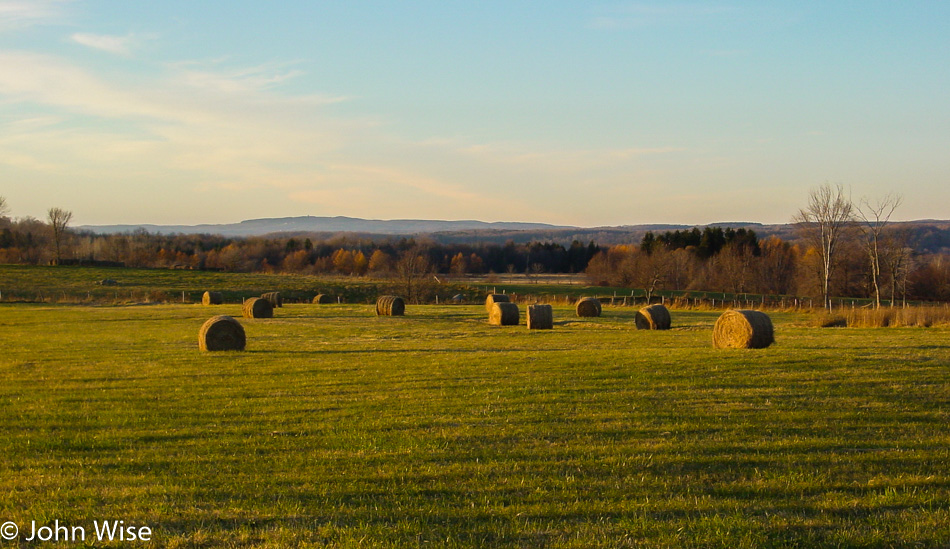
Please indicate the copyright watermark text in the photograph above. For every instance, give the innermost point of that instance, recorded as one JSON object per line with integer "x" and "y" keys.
{"x": 101, "y": 530}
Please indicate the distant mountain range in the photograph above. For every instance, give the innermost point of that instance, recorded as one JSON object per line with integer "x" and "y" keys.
{"x": 398, "y": 227}
{"x": 311, "y": 224}
{"x": 930, "y": 235}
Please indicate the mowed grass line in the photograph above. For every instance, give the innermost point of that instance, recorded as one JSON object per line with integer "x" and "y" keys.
{"x": 340, "y": 428}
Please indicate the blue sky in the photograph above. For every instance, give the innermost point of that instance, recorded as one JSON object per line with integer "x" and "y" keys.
{"x": 583, "y": 113}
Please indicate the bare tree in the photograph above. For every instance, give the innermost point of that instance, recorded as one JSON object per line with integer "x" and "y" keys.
{"x": 4, "y": 210}
{"x": 778, "y": 262}
{"x": 651, "y": 271}
{"x": 824, "y": 223}
{"x": 735, "y": 266}
{"x": 58, "y": 221}
{"x": 873, "y": 218}
{"x": 896, "y": 259}
{"x": 534, "y": 270}
{"x": 412, "y": 269}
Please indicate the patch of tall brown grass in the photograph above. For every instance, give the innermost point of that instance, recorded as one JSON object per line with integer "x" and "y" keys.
{"x": 888, "y": 317}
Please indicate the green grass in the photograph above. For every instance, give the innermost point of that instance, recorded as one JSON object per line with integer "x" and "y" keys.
{"x": 338, "y": 428}
{"x": 59, "y": 284}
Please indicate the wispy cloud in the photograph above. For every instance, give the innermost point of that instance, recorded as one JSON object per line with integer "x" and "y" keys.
{"x": 203, "y": 130}
{"x": 117, "y": 45}
{"x": 50, "y": 81}
{"x": 229, "y": 130}
{"x": 211, "y": 77}
{"x": 23, "y": 13}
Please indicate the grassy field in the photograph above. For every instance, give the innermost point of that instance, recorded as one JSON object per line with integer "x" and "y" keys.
{"x": 338, "y": 428}
{"x": 48, "y": 284}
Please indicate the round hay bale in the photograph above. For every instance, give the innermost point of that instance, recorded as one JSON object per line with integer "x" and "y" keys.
{"x": 221, "y": 333}
{"x": 212, "y": 298}
{"x": 743, "y": 329}
{"x": 274, "y": 298}
{"x": 390, "y": 305}
{"x": 504, "y": 314}
{"x": 323, "y": 299}
{"x": 495, "y": 298}
{"x": 257, "y": 307}
{"x": 654, "y": 317}
{"x": 588, "y": 306}
{"x": 540, "y": 317}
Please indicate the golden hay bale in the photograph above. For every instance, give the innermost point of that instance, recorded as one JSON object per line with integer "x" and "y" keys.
{"x": 323, "y": 299}
{"x": 390, "y": 305}
{"x": 540, "y": 317}
{"x": 504, "y": 314}
{"x": 212, "y": 298}
{"x": 588, "y": 306}
{"x": 274, "y": 298}
{"x": 654, "y": 317}
{"x": 257, "y": 307}
{"x": 221, "y": 333}
{"x": 743, "y": 329}
{"x": 495, "y": 298}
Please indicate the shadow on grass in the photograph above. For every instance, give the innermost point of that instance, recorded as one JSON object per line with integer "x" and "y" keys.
{"x": 427, "y": 350}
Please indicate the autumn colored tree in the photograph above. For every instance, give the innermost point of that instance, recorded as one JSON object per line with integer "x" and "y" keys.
{"x": 360, "y": 263}
{"x": 296, "y": 262}
{"x": 343, "y": 261}
{"x": 458, "y": 265}
{"x": 380, "y": 262}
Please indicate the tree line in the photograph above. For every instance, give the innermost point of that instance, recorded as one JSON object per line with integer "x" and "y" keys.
{"x": 31, "y": 241}
{"x": 843, "y": 249}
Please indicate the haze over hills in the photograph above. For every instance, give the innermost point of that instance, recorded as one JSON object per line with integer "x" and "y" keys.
{"x": 931, "y": 235}
{"x": 449, "y": 231}
{"x": 312, "y": 224}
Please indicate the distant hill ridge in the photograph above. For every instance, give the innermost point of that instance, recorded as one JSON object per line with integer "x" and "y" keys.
{"x": 338, "y": 224}
{"x": 313, "y": 224}
{"x": 930, "y": 235}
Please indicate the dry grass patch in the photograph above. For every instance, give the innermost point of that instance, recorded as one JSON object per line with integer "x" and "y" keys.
{"x": 906, "y": 317}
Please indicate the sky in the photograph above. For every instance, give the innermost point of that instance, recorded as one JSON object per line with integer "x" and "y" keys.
{"x": 572, "y": 113}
